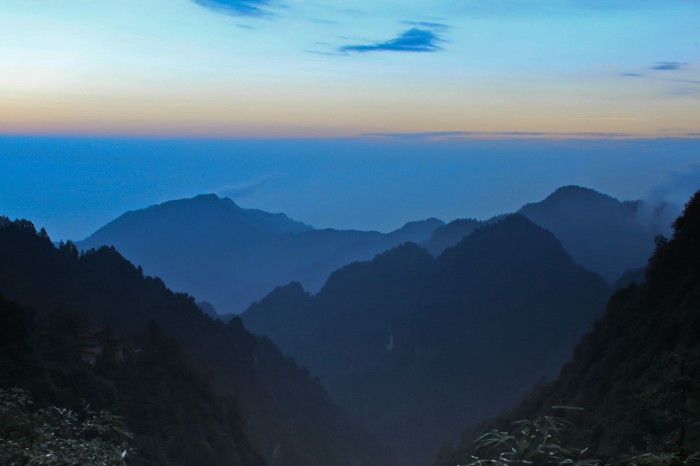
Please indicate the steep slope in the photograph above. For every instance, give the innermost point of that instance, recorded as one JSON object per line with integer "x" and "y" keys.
{"x": 288, "y": 417}
{"x": 231, "y": 256}
{"x": 637, "y": 373}
{"x": 155, "y": 388}
{"x": 414, "y": 346}
{"x": 601, "y": 233}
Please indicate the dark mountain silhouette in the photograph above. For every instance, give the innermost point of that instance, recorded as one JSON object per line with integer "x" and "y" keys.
{"x": 637, "y": 372}
{"x": 604, "y": 235}
{"x": 601, "y": 233}
{"x": 285, "y": 415}
{"x": 231, "y": 256}
{"x": 167, "y": 400}
{"x": 416, "y": 346}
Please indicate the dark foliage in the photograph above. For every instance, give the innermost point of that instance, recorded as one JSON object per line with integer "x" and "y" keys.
{"x": 167, "y": 400}
{"x": 287, "y": 416}
{"x": 53, "y": 436}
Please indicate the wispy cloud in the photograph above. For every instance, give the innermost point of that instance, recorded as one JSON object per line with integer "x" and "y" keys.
{"x": 685, "y": 91}
{"x": 668, "y": 65}
{"x": 411, "y": 40}
{"x": 236, "y": 7}
{"x": 425, "y": 24}
{"x": 466, "y": 135}
{"x": 244, "y": 188}
{"x": 665, "y": 201}
{"x": 632, "y": 75}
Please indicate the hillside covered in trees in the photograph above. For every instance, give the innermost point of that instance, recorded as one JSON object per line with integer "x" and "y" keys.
{"x": 636, "y": 373}
{"x": 189, "y": 387}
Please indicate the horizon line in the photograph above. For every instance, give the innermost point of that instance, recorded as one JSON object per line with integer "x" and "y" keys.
{"x": 417, "y": 136}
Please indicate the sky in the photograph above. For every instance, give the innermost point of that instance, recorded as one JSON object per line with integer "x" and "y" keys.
{"x": 353, "y": 114}
{"x": 290, "y": 68}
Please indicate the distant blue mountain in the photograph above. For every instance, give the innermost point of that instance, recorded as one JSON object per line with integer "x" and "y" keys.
{"x": 601, "y": 233}
{"x": 231, "y": 256}
{"x": 604, "y": 235}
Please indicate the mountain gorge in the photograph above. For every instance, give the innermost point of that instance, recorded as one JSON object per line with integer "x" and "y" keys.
{"x": 415, "y": 346}
{"x": 416, "y": 333}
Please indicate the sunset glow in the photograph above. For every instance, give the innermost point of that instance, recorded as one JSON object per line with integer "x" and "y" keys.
{"x": 179, "y": 68}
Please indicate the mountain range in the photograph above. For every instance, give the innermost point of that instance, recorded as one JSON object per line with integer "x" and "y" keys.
{"x": 606, "y": 236}
{"x": 635, "y": 374}
{"x": 231, "y": 257}
{"x": 416, "y": 333}
{"x": 190, "y": 386}
{"x": 416, "y": 346}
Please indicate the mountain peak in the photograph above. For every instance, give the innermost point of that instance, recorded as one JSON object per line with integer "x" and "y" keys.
{"x": 600, "y": 232}
{"x": 574, "y": 193}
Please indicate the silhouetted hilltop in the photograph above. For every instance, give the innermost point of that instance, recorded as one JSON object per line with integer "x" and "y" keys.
{"x": 231, "y": 256}
{"x": 636, "y": 373}
{"x": 286, "y": 415}
{"x": 601, "y": 233}
{"x": 414, "y": 346}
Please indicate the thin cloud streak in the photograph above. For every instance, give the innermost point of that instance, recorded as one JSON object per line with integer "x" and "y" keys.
{"x": 244, "y": 188}
{"x": 468, "y": 135}
{"x": 668, "y": 65}
{"x": 411, "y": 40}
{"x": 236, "y": 7}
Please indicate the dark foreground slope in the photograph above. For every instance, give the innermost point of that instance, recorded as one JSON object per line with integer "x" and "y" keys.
{"x": 231, "y": 256}
{"x": 415, "y": 346}
{"x": 287, "y": 417}
{"x": 637, "y": 374}
{"x": 167, "y": 400}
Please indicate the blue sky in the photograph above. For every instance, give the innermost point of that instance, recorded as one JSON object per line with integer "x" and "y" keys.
{"x": 346, "y": 114}
{"x": 286, "y": 68}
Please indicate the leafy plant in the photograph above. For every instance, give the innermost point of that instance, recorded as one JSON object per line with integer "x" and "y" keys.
{"x": 58, "y": 436}
{"x": 534, "y": 442}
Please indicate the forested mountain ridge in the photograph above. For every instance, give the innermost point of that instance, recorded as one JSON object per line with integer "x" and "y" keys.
{"x": 231, "y": 256}
{"x": 287, "y": 417}
{"x": 414, "y": 345}
{"x": 167, "y": 400}
{"x": 637, "y": 373}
